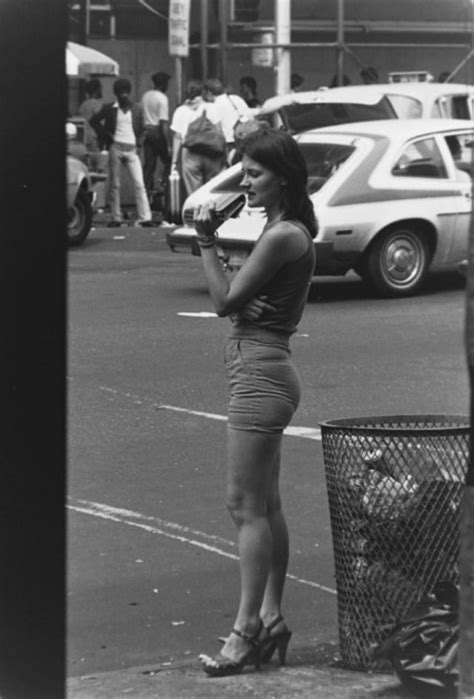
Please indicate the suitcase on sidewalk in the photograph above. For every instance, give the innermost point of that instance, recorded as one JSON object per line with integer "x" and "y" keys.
{"x": 174, "y": 197}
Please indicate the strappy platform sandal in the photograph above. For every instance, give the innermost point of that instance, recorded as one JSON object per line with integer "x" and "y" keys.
{"x": 222, "y": 666}
{"x": 272, "y": 642}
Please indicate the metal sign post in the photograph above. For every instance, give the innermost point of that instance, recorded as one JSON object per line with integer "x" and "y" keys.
{"x": 178, "y": 38}
{"x": 283, "y": 36}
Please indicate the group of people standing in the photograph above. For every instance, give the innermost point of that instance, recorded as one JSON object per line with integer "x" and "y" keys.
{"x": 122, "y": 127}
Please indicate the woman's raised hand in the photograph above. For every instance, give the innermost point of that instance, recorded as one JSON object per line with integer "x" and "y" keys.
{"x": 206, "y": 223}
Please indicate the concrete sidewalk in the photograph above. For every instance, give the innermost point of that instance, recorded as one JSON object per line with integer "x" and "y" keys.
{"x": 301, "y": 679}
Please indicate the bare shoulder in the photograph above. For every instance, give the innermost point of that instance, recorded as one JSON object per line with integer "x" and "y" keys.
{"x": 285, "y": 228}
{"x": 290, "y": 235}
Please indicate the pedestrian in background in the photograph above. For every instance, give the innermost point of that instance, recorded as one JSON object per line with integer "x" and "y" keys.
{"x": 248, "y": 91}
{"x": 90, "y": 106}
{"x": 119, "y": 128}
{"x": 265, "y": 302}
{"x": 229, "y": 108}
{"x": 196, "y": 168}
{"x": 155, "y": 105}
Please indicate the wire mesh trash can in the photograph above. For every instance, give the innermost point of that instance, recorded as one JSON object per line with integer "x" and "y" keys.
{"x": 395, "y": 486}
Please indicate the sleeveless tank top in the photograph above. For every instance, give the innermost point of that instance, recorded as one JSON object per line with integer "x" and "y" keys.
{"x": 287, "y": 292}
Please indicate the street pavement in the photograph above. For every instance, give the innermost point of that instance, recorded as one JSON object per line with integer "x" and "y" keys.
{"x": 152, "y": 563}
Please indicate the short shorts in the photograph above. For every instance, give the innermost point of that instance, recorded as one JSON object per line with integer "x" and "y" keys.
{"x": 264, "y": 385}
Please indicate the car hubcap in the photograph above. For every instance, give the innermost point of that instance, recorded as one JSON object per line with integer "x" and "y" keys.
{"x": 74, "y": 218}
{"x": 402, "y": 260}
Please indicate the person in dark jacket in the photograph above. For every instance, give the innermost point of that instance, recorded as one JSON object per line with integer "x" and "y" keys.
{"x": 119, "y": 127}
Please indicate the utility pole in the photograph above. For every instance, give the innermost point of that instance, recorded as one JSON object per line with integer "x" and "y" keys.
{"x": 283, "y": 36}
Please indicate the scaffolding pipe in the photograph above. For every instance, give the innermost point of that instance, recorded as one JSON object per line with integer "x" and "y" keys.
{"x": 223, "y": 39}
{"x": 204, "y": 38}
{"x": 332, "y": 44}
{"x": 340, "y": 42}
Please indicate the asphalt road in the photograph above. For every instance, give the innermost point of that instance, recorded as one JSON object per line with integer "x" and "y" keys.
{"x": 152, "y": 570}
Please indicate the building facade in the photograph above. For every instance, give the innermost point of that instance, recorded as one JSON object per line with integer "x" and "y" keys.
{"x": 422, "y": 35}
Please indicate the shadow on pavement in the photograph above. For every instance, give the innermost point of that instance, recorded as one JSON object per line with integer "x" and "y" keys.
{"x": 352, "y": 288}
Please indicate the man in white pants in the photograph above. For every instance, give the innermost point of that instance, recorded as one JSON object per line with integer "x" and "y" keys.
{"x": 119, "y": 127}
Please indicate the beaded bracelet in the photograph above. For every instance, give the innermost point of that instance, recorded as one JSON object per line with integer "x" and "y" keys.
{"x": 206, "y": 242}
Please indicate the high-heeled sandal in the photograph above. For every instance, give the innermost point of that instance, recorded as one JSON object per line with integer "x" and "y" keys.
{"x": 272, "y": 642}
{"x": 222, "y": 666}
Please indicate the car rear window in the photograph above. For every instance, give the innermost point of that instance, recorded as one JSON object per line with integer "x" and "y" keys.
{"x": 420, "y": 159}
{"x": 406, "y": 107}
{"x": 322, "y": 161}
{"x": 303, "y": 117}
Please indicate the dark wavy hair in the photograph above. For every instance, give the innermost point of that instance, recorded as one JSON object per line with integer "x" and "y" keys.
{"x": 277, "y": 151}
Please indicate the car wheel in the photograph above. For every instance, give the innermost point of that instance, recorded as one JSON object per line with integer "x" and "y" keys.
{"x": 397, "y": 261}
{"x": 79, "y": 218}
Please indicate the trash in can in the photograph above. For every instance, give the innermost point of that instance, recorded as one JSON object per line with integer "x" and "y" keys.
{"x": 395, "y": 487}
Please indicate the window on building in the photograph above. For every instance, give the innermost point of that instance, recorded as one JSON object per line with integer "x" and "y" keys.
{"x": 245, "y": 10}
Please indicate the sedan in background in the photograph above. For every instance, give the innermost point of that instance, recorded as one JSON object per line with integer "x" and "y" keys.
{"x": 301, "y": 111}
{"x": 392, "y": 199}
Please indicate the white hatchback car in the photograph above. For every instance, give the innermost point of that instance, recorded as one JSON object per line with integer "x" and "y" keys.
{"x": 392, "y": 199}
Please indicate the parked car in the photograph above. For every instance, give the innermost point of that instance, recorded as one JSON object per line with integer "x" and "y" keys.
{"x": 79, "y": 198}
{"x": 80, "y": 194}
{"x": 392, "y": 199}
{"x": 301, "y": 111}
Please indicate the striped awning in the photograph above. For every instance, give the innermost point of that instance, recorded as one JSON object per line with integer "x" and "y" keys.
{"x": 82, "y": 61}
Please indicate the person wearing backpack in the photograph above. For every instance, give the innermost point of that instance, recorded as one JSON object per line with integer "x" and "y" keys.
{"x": 198, "y": 139}
{"x": 231, "y": 109}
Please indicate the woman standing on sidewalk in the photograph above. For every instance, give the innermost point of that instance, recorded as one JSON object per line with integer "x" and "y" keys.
{"x": 264, "y": 301}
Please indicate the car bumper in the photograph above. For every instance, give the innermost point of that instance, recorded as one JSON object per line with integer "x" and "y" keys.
{"x": 183, "y": 239}
{"x": 234, "y": 253}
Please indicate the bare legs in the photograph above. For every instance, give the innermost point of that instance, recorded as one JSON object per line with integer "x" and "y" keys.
{"x": 271, "y": 605}
{"x": 254, "y": 504}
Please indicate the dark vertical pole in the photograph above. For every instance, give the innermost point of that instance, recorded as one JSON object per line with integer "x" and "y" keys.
{"x": 223, "y": 39}
{"x": 204, "y": 39}
{"x": 340, "y": 42}
{"x": 83, "y": 22}
{"x": 32, "y": 350}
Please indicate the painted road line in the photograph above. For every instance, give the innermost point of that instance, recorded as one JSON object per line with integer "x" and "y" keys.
{"x": 292, "y": 431}
{"x": 304, "y": 432}
{"x": 200, "y": 413}
{"x": 172, "y": 530}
